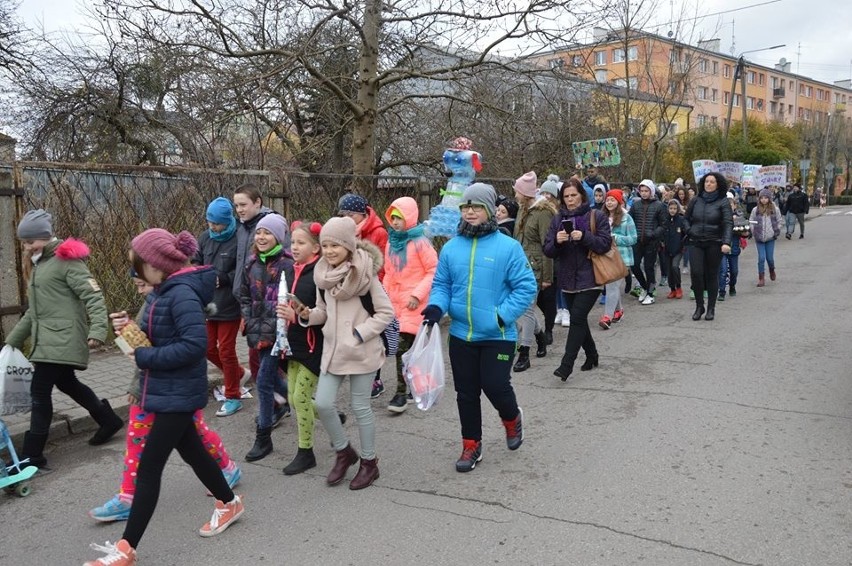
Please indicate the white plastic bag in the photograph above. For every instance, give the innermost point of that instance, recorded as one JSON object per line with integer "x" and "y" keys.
{"x": 16, "y": 375}
{"x": 423, "y": 367}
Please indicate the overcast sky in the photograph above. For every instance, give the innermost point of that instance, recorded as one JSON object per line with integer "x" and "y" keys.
{"x": 817, "y": 33}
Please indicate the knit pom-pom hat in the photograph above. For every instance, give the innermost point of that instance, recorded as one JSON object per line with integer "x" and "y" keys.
{"x": 163, "y": 250}
{"x": 526, "y": 184}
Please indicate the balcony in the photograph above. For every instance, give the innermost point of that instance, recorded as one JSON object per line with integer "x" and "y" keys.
{"x": 778, "y": 93}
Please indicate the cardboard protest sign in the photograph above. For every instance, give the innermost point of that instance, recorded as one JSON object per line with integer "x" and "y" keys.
{"x": 732, "y": 170}
{"x": 749, "y": 179}
{"x": 702, "y": 167}
{"x": 602, "y": 152}
{"x": 772, "y": 175}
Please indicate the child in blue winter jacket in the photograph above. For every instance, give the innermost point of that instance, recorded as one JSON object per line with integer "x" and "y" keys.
{"x": 484, "y": 282}
{"x": 674, "y": 244}
{"x": 173, "y": 383}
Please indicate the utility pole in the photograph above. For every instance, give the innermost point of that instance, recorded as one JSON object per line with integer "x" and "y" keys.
{"x": 739, "y": 72}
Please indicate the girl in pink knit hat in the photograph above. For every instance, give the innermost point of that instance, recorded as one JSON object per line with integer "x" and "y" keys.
{"x": 174, "y": 383}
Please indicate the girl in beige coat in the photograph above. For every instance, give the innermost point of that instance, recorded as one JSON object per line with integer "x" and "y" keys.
{"x": 353, "y": 347}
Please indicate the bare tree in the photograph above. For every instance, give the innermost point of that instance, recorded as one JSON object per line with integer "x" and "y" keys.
{"x": 292, "y": 39}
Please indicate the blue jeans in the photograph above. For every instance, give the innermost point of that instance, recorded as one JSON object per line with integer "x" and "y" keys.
{"x": 268, "y": 383}
{"x": 728, "y": 269}
{"x": 765, "y": 253}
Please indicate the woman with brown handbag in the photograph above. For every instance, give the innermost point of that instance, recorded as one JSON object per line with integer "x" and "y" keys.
{"x": 570, "y": 239}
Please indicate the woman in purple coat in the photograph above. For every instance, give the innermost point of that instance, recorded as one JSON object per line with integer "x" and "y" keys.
{"x": 569, "y": 240}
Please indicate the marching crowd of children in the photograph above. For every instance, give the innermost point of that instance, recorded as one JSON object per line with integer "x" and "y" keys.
{"x": 323, "y": 304}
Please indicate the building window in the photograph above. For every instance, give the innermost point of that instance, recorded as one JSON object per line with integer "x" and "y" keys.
{"x": 760, "y": 105}
{"x": 577, "y": 60}
{"x": 632, "y": 53}
{"x": 725, "y": 102}
{"x": 751, "y": 76}
{"x": 789, "y": 108}
{"x": 750, "y": 102}
{"x": 703, "y": 65}
{"x": 556, "y": 63}
{"x": 774, "y": 83}
{"x": 761, "y": 79}
{"x": 714, "y": 119}
{"x": 801, "y": 90}
{"x": 600, "y": 57}
{"x": 618, "y": 55}
{"x": 674, "y": 88}
{"x": 634, "y": 125}
{"x": 632, "y": 81}
{"x": 702, "y": 119}
{"x": 600, "y": 76}
{"x": 714, "y": 94}
{"x": 715, "y": 67}
{"x": 737, "y": 100}
{"x": 773, "y": 107}
{"x": 701, "y": 92}
{"x": 819, "y": 94}
{"x": 810, "y": 92}
{"x": 726, "y": 71}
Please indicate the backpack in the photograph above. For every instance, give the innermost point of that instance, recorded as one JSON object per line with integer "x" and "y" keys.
{"x": 390, "y": 335}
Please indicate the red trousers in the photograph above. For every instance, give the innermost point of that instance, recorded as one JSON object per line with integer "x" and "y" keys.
{"x": 222, "y": 352}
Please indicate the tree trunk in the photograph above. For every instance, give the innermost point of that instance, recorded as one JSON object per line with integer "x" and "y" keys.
{"x": 364, "y": 134}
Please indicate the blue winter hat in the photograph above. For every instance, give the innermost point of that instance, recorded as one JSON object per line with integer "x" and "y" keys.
{"x": 220, "y": 211}
{"x": 352, "y": 203}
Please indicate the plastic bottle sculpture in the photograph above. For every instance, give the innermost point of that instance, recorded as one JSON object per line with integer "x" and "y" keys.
{"x": 463, "y": 164}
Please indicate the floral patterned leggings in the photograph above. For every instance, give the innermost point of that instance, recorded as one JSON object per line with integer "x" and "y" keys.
{"x": 139, "y": 426}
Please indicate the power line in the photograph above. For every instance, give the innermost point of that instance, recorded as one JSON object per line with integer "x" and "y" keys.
{"x": 719, "y": 13}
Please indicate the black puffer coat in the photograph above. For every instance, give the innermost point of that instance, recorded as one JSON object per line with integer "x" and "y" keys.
{"x": 710, "y": 218}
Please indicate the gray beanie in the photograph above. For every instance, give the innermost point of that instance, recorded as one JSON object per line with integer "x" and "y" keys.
{"x": 341, "y": 231}
{"x": 551, "y": 186}
{"x": 480, "y": 193}
{"x": 36, "y": 225}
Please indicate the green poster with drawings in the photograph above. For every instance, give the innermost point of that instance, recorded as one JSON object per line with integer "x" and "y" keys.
{"x": 603, "y": 152}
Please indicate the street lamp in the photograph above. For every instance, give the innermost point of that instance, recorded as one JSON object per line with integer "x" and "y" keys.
{"x": 829, "y": 177}
{"x": 739, "y": 71}
{"x": 804, "y": 168}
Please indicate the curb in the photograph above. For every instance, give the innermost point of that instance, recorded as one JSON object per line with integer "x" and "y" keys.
{"x": 78, "y": 420}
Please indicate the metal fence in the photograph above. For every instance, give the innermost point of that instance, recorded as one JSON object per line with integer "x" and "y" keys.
{"x": 107, "y": 205}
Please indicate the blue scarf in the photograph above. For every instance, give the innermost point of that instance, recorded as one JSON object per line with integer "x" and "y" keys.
{"x": 398, "y": 244}
{"x": 225, "y": 234}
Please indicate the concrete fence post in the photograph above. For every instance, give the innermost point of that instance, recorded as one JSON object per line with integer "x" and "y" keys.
{"x": 424, "y": 197}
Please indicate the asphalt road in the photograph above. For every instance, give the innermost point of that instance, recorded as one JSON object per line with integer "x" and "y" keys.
{"x": 694, "y": 443}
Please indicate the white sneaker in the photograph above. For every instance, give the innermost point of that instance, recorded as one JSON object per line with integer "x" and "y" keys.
{"x": 648, "y": 300}
{"x": 566, "y": 318}
{"x": 642, "y": 296}
{"x": 558, "y": 318}
{"x": 245, "y": 378}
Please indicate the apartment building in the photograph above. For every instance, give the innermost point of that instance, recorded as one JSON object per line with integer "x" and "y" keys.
{"x": 702, "y": 77}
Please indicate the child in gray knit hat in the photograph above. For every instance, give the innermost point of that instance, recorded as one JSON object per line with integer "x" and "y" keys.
{"x": 36, "y": 225}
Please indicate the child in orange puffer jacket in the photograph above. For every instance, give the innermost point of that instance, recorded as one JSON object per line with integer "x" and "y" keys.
{"x": 410, "y": 263}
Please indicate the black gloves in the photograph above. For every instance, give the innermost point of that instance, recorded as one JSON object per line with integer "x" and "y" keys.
{"x": 431, "y": 315}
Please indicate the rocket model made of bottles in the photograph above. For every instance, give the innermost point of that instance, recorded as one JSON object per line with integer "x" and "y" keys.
{"x": 462, "y": 163}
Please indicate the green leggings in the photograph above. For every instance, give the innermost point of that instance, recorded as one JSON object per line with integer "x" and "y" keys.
{"x": 301, "y": 386}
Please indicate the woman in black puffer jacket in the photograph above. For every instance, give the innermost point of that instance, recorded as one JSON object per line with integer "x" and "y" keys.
{"x": 710, "y": 226}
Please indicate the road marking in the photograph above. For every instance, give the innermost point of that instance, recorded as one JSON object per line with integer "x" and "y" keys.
{"x": 833, "y": 212}
{"x": 848, "y": 214}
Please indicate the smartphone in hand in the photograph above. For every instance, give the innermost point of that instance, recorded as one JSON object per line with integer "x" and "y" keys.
{"x": 568, "y": 225}
{"x": 297, "y": 304}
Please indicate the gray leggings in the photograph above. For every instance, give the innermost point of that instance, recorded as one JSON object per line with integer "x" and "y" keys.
{"x": 360, "y": 386}
{"x": 528, "y": 326}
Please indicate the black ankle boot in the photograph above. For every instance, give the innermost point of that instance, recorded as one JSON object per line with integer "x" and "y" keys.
{"x": 548, "y": 337}
{"x": 699, "y": 311}
{"x": 541, "y": 345}
{"x": 523, "y": 362}
{"x": 591, "y": 362}
{"x": 563, "y": 372}
{"x": 304, "y": 460}
{"x": 109, "y": 423}
{"x": 711, "y": 312}
{"x": 33, "y": 449}
{"x": 262, "y": 445}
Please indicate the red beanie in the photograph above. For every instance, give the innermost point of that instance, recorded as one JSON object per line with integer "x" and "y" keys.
{"x": 163, "y": 250}
{"x": 617, "y": 195}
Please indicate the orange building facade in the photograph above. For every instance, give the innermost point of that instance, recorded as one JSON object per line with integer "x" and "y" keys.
{"x": 702, "y": 77}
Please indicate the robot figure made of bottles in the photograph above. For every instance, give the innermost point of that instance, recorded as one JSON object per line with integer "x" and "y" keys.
{"x": 462, "y": 164}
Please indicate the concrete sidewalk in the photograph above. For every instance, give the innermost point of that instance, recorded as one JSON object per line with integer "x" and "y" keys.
{"x": 108, "y": 375}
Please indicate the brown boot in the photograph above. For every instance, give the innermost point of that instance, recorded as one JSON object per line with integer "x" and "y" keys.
{"x": 761, "y": 280}
{"x": 345, "y": 458}
{"x": 367, "y": 474}
{"x": 772, "y": 273}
